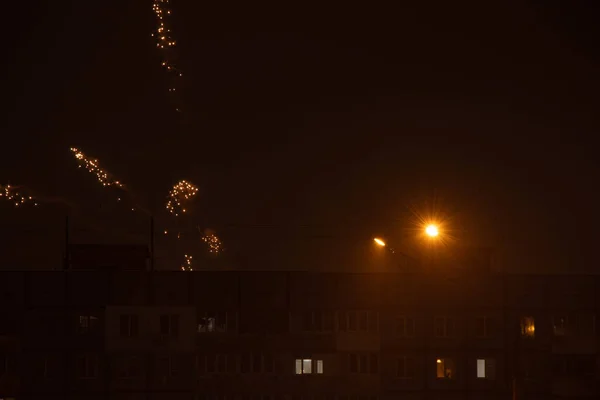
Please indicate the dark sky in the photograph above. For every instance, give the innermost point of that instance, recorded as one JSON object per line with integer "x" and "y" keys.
{"x": 319, "y": 121}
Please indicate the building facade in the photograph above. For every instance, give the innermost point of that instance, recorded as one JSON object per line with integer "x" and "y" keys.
{"x": 299, "y": 335}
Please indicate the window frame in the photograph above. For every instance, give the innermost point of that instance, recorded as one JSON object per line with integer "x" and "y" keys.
{"x": 317, "y": 366}
{"x": 448, "y": 321}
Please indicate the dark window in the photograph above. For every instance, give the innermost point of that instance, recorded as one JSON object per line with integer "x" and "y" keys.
{"x": 128, "y": 325}
{"x": 374, "y": 364}
{"x": 327, "y": 321}
{"x": 352, "y": 325}
{"x": 363, "y": 321}
{"x": 353, "y": 363}
{"x": 87, "y": 367}
{"x": 364, "y": 363}
{"x": 373, "y": 322}
{"x": 256, "y": 363}
{"x": 406, "y": 368}
{"x": 245, "y": 364}
{"x": 169, "y": 325}
{"x": 201, "y": 364}
{"x": 231, "y": 364}
{"x": 268, "y": 363}
{"x": 209, "y": 322}
{"x": 443, "y": 327}
{"x": 481, "y": 327}
{"x": 211, "y": 361}
{"x": 560, "y": 324}
{"x": 342, "y": 321}
{"x": 87, "y": 324}
{"x": 405, "y": 326}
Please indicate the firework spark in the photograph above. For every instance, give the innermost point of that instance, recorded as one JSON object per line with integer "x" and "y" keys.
{"x": 11, "y": 194}
{"x": 187, "y": 266}
{"x": 180, "y": 194}
{"x": 93, "y": 167}
{"x": 215, "y": 245}
{"x": 165, "y": 42}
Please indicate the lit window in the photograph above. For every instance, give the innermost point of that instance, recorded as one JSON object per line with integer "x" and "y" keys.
{"x": 486, "y": 368}
{"x": 528, "y": 327}
{"x": 308, "y": 366}
{"x": 559, "y": 324}
{"x": 444, "y": 368}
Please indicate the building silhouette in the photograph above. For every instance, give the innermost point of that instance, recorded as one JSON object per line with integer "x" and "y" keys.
{"x": 110, "y": 334}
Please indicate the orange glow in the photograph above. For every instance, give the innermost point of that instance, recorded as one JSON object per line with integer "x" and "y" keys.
{"x": 432, "y": 230}
{"x": 379, "y": 242}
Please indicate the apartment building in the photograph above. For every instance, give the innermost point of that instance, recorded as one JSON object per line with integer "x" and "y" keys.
{"x": 299, "y": 335}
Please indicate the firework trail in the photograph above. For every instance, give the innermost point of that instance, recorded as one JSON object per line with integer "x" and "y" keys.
{"x": 13, "y": 195}
{"x": 93, "y": 166}
{"x": 105, "y": 178}
{"x": 187, "y": 266}
{"x": 165, "y": 43}
{"x": 179, "y": 195}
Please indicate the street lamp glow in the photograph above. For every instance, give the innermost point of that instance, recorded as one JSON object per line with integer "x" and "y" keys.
{"x": 379, "y": 242}
{"x": 432, "y": 230}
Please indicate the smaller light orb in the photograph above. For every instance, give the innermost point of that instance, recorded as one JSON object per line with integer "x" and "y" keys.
{"x": 432, "y": 230}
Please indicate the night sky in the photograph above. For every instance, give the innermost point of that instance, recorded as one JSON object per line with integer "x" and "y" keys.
{"x": 310, "y": 129}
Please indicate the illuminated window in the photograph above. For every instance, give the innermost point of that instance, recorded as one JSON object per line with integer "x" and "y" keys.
{"x": 406, "y": 368}
{"x": 443, "y": 327}
{"x": 445, "y": 368}
{"x": 528, "y": 327}
{"x": 486, "y": 368}
{"x": 559, "y": 324}
{"x": 405, "y": 326}
{"x": 307, "y": 366}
